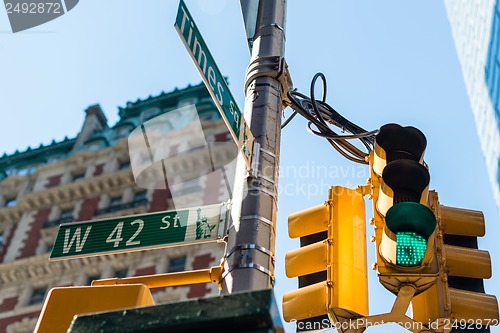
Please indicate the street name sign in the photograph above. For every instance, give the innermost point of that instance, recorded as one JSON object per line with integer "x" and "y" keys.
{"x": 214, "y": 81}
{"x": 141, "y": 232}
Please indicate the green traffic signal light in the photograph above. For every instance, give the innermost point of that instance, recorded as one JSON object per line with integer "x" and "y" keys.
{"x": 412, "y": 224}
{"x": 410, "y": 249}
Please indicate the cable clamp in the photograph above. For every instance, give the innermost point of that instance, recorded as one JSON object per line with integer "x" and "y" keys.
{"x": 248, "y": 246}
{"x": 249, "y": 265}
{"x": 274, "y": 67}
{"x": 258, "y": 217}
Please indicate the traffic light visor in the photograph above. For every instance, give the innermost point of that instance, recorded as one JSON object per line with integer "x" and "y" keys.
{"x": 395, "y": 142}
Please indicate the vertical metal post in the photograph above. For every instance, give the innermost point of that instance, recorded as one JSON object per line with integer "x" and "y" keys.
{"x": 251, "y": 242}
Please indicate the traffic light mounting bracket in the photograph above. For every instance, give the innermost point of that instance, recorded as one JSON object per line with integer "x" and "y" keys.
{"x": 139, "y": 285}
{"x": 398, "y": 315}
{"x": 213, "y": 275}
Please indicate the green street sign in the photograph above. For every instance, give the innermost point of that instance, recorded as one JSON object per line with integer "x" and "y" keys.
{"x": 141, "y": 232}
{"x": 214, "y": 81}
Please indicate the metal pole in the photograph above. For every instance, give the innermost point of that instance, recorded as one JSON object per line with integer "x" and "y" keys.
{"x": 251, "y": 241}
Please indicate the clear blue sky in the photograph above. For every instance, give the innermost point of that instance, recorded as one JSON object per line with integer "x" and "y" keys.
{"x": 385, "y": 61}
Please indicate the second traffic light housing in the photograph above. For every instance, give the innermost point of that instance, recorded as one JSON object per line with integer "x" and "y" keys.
{"x": 343, "y": 294}
{"x": 459, "y": 293}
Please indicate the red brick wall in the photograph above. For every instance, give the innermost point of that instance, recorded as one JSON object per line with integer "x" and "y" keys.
{"x": 160, "y": 200}
{"x": 7, "y": 241}
{"x": 87, "y": 211}
{"x": 203, "y": 261}
{"x": 8, "y": 304}
{"x": 10, "y": 320}
{"x": 99, "y": 168}
{"x": 145, "y": 271}
{"x": 198, "y": 290}
{"x": 31, "y": 242}
{"x": 200, "y": 262}
{"x": 53, "y": 181}
{"x": 222, "y": 137}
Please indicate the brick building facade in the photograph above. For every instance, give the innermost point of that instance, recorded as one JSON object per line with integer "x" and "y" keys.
{"x": 90, "y": 177}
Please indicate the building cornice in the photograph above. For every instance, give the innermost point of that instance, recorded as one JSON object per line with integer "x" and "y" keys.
{"x": 68, "y": 193}
{"x": 39, "y": 268}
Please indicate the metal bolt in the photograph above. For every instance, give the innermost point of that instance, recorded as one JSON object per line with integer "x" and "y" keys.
{"x": 372, "y": 239}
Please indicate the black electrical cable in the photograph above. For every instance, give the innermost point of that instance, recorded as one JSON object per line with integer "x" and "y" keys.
{"x": 319, "y": 115}
{"x": 286, "y": 122}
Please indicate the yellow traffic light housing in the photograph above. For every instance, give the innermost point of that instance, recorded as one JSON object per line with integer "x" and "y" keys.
{"x": 63, "y": 303}
{"x": 404, "y": 225}
{"x": 343, "y": 295}
{"x": 459, "y": 294}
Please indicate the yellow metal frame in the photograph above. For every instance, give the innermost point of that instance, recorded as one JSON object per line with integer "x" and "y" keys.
{"x": 344, "y": 294}
{"x": 213, "y": 275}
{"x": 64, "y": 303}
{"x": 442, "y": 303}
{"x": 347, "y": 273}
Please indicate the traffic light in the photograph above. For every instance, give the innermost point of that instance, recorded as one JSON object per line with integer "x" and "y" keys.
{"x": 63, "y": 303}
{"x": 404, "y": 225}
{"x": 331, "y": 262}
{"x": 459, "y": 295}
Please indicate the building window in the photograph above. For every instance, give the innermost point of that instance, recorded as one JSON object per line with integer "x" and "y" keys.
{"x": 208, "y": 116}
{"x": 186, "y": 102}
{"x": 37, "y": 296}
{"x": 176, "y": 264}
{"x": 139, "y": 196}
{"x": 121, "y": 273}
{"x": 124, "y": 165}
{"x": 26, "y": 171}
{"x": 95, "y": 146}
{"x": 190, "y": 188}
{"x": 10, "y": 202}
{"x": 120, "y": 132}
{"x": 78, "y": 177}
{"x": 91, "y": 278}
{"x": 115, "y": 202}
{"x": 66, "y": 214}
{"x": 148, "y": 114}
{"x": 54, "y": 158}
